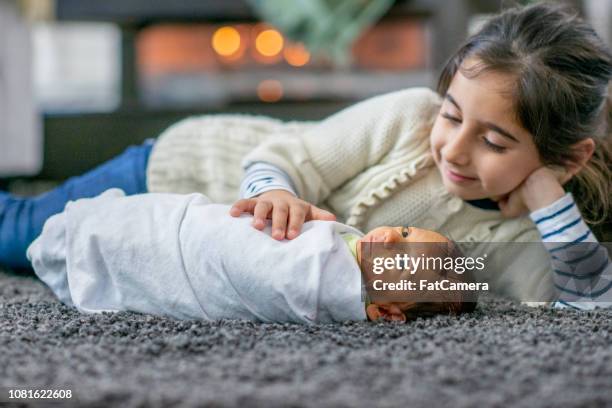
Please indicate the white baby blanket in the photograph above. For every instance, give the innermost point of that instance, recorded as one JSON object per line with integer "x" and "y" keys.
{"x": 182, "y": 256}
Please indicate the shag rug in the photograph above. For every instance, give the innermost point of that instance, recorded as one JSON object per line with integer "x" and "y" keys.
{"x": 502, "y": 355}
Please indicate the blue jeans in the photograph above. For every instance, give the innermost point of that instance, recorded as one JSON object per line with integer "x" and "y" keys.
{"x": 22, "y": 219}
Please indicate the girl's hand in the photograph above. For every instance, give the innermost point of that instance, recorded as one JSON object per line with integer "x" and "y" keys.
{"x": 283, "y": 207}
{"x": 540, "y": 189}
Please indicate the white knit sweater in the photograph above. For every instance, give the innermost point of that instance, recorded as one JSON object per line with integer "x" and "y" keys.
{"x": 370, "y": 164}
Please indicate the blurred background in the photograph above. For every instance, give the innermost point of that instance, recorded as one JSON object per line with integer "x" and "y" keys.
{"x": 80, "y": 80}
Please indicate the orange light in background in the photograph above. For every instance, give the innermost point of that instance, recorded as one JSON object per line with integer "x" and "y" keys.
{"x": 269, "y": 42}
{"x": 169, "y": 49}
{"x": 226, "y": 41}
{"x": 296, "y": 54}
{"x": 270, "y": 90}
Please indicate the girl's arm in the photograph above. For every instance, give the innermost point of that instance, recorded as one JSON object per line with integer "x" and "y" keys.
{"x": 261, "y": 177}
{"x": 266, "y": 190}
{"x": 581, "y": 266}
{"x": 305, "y": 169}
{"x": 342, "y": 146}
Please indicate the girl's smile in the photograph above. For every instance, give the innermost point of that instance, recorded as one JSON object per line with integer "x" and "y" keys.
{"x": 457, "y": 177}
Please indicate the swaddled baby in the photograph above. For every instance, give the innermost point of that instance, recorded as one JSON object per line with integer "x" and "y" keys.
{"x": 185, "y": 257}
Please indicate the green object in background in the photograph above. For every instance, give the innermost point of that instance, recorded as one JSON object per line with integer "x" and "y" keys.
{"x": 324, "y": 26}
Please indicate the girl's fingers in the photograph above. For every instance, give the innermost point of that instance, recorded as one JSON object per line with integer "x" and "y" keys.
{"x": 518, "y": 206}
{"x": 280, "y": 214}
{"x": 512, "y": 206}
{"x": 260, "y": 213}
{"x": 318, "y": 214}
{"x": 503, "y": 207}
{"x": 287, "y": 220}
{"x": 507, "y": 208}
{"x": 297, "y": 216}
{"x": 245, "y": 205}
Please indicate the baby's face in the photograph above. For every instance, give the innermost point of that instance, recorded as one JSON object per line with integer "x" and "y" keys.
{"x": 395, "y": 235}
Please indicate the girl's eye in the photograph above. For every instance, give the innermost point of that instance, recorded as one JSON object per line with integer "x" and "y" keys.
{"x": 494, "y": 147}
{"x": 405, "y": 232}
{"x": 451, "y": 118}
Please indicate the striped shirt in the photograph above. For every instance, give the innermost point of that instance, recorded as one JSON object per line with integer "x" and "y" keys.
{"x": 581, "y": 265}
{"x": 582, "y": 271}
{"x": 261, "y": 177}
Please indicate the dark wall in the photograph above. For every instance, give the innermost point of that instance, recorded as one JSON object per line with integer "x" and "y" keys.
{"x": 76, "y": 143}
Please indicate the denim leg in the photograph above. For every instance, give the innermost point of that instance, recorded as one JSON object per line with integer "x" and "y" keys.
{"x": 22, "y": 219}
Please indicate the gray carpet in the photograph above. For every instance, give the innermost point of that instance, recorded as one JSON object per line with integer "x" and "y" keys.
{"x": 502, "y": 355}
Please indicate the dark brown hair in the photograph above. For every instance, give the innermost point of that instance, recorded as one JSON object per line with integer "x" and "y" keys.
{"x": 562, "y": 93}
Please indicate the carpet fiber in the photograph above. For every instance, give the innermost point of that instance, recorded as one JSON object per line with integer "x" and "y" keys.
{"x": 502, "y": 355}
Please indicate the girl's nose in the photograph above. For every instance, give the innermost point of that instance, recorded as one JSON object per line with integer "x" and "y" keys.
{"x": 457, "y": 149}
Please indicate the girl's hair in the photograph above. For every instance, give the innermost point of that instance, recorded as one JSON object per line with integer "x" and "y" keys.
{"x": 562, "y": 93}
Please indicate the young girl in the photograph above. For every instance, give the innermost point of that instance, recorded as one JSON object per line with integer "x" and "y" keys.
{"x": 520, "y": 114}
{"x": 523, "y": 112}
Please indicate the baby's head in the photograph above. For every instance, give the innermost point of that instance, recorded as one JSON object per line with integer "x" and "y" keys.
{"x": 401, "y": 305}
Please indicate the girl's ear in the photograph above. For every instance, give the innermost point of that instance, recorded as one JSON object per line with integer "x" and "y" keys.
{"x": 583, "y": 151}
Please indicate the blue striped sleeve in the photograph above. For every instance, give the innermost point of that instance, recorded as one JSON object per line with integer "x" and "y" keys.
{"x": 561, "y": 222}
{"x": 582, "y": 270}
{"x": 261, "y": 177}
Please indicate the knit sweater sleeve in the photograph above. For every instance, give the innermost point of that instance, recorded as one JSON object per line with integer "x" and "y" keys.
{"x": 581, "y": 265}
{"x": 335, "y": 150}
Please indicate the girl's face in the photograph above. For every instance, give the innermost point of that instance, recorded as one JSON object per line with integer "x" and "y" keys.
{"x": 477, "y": 143}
